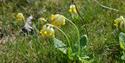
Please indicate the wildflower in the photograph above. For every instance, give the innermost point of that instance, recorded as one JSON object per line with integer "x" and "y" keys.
{"x": 47, "y": 31}
{"x": 118, "y": 20}
{"x": 120, "y": 23}
{"x": 72, "y": 9}
{"x": 57, "y": 20}
{"x": 20, "y": 17}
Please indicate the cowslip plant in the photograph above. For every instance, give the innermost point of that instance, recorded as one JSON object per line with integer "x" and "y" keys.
{"x": 119, "y": 23}
{"x": 76, "y": 15}
{"x": 19, "y": 20}
{"x": 47, "y": 31}
{"x": 20, "y": 17}
{"x": 57, "y": 21}
{"x": 73, "y": 11}
{"x": 122, "y": 44}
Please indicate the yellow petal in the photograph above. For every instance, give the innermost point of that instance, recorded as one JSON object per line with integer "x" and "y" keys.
{"x": 52, "y": 17}
{"x": 74, "y": 10}
{"x": 20, "y": 16}
{"x": 45, "y": 32}
{"x": 70, "y": 10}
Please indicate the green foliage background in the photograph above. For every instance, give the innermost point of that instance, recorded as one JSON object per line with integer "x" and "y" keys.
{"x": 102, "y": 46}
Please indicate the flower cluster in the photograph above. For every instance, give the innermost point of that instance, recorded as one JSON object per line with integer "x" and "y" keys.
{"x": 48, "y": 30}
{"x": 120, "y": 23}
{"x": 57, "y": 20}
{"x": 20, "y": 17}
{"x": 72, "y": 9}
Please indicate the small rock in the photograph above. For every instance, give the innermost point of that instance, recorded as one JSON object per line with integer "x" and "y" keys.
{"x": 28, "y": 26}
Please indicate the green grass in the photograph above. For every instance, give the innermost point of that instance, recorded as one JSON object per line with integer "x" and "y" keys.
{"x": 102, "y": 45}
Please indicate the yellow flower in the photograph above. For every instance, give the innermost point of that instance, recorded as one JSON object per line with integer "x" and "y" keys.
{"x": 47, "y": 31}
{"x": 20, "y": 17}
{"x": 72, "y": 9}
{"x": 57, "y": 20}
{"x": 120, "y": 23}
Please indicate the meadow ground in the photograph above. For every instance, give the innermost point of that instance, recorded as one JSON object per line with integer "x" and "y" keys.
{"x": 102, "y": 46}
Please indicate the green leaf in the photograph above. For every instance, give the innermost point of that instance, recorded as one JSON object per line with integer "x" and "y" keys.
{"x": 70, "y": 54}
{"x": 60, "y": 45}
{"x": 123, "y": 56}
{"x": 116, "y": 33}
{"x": 122, "y": 40}
{"x": 83, "y": 41}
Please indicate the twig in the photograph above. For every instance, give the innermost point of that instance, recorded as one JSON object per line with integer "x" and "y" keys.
{"x": 106, "y": 6}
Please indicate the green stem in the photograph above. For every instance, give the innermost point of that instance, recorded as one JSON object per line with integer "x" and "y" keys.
{"x": 105, "y": 6}
{"x": 78, "y": 34}
{"x": 73, "y": 2}
{"x": 68, "y": 41}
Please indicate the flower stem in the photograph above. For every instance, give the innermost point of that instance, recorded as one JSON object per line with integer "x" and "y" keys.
{"x": 106, "y": 6}
{"x": 68, "y": 41}
{"x": 82, "y": 18}
{"x": 78, "y": 34}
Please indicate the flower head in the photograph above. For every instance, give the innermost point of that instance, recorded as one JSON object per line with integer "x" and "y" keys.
{"x": 72, "y": 9}
{"x": 20, "y": 17}
{"x": 118, "y": 21}
{"x": 47, "y": 31}
{"x": 57, "y": 20}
